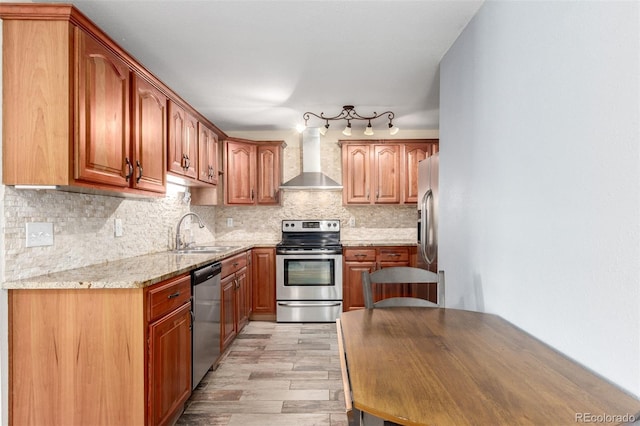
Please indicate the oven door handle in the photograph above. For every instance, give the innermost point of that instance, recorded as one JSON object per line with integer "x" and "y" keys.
{"x": 307, "y": 305}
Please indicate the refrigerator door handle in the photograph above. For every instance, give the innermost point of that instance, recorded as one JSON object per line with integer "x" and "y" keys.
{"x": 426, "y": 212}
{"x": 430, "y": 241}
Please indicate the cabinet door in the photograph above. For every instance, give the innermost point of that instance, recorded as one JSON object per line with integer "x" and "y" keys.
{"x": 170, "y": 364}
{"x": 356, "y": 174}
{"x": 352, "y": 284}
{"x": 190, "y": 147}
{"x": 183, "y": 139}
{"x": 176, "y": 161}
{"x": 240, "y": 173}
{"x": 102, "y": 140}
{"x": 264, "y": 281}
{"x": 150, "y": 136}
{"x": 242, "y": 299}
{"x": 207, "y": 155}
{"x": 414, "y": 153}
{"x": 268, "y": 174}
{"x": 228, "y": 311}
{"x": 386, "y": 172}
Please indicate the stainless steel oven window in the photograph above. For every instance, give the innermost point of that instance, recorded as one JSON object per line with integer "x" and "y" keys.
{"x": 309, "y": 292}
{"x": 309, "y": 272}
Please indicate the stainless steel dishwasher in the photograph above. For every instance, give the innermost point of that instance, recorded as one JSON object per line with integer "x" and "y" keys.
{"x": 205, "y": 341}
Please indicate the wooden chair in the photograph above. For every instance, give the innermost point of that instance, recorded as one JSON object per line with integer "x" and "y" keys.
{"x": 401, "y": 275}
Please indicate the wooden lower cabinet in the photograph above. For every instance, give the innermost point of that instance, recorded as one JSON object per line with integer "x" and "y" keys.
{"x": 263, "y": 272}
{"x": 236, "y": 297}
{"x": 359, "y": 259}
{"x": 100, "y": 356}
{"x": 169, "y": 349}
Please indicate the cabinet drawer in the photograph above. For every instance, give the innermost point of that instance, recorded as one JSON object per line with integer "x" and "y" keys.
{"x": 233, "y": 264}
{"x": 168, "y": 295}
{"x": 360, "y": 255}
{"x": 394, "y": 254}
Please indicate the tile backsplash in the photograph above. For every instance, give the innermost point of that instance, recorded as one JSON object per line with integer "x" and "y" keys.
{"x": 84, "y": 225}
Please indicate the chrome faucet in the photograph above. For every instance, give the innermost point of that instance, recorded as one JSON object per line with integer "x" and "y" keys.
{"x": 179, "y": 243}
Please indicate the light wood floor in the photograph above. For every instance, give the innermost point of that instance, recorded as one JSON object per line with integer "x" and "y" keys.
{"x": 273, "y": 374}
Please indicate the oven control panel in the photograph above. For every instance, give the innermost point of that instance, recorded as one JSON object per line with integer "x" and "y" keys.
{"x": 332, "y": 225}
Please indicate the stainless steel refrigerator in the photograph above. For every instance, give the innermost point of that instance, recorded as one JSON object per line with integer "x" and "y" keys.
{"x": 428, "y": 213}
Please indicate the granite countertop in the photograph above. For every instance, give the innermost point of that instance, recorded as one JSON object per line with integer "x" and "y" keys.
{"x": 375, "y": 243}
{"x": 133, "y": 272}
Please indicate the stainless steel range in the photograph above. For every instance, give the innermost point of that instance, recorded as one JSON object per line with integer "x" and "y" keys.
{"x": 309, "y": 271}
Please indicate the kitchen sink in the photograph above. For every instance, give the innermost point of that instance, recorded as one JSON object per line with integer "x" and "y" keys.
{"x": 204, "y": 249}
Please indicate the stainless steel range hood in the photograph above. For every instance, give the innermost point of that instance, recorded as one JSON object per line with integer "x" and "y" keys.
{"x": 311, "y": 176}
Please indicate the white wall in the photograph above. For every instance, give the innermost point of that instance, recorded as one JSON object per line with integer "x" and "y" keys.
{"x": 540, "y": 176}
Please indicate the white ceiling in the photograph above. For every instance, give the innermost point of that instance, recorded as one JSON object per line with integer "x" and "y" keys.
{"x": 259, "y": 65}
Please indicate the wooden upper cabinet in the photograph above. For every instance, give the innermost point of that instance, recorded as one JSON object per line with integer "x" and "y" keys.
{"x": 252, "y": 172}
{"x": 371, "y": 173}
{"x": 102, "y": 145}
{"x": 149, "y": 136}
{"x": 240, "y": 173}
{"x": 268, "y": 174}
{"x": 207, "y": 155}
{"x": 80, "y": 113}
{"x": 386, "y": 166}
{"x": 36, "y": 128}
{"x": 183, "y": 141}
{"x": 413, "y": 154}
{"x": 383, "y": 172}
{"x": 356, "y": 174}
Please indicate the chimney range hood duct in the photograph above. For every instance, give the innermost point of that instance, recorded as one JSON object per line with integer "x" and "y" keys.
{"x": 311, "y": 176}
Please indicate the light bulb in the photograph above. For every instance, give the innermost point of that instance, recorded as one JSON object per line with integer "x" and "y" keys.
{"x": 393, "y": 129}
{"x": 369, "y": 130}
{"x": 347, "y": 130}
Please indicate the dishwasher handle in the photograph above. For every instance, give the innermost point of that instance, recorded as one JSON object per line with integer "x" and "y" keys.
{"x": 206, "y": 273}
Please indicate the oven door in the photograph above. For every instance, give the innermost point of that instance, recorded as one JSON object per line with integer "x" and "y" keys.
{"x": 305, "y": 277}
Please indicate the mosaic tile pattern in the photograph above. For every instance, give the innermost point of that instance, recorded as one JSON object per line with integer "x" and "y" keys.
{"x": 273, "y": 374}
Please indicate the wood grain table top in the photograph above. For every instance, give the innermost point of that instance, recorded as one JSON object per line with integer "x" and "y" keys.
{"x": 434, "y": 366}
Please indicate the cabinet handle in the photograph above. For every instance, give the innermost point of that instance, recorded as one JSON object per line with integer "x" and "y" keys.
{"x": 252, "y": 194}
{"x": 139, "y": 171}
{"x": 367, "y": 193}
{"x": 174, "y": 295}
{"x": 393, "y": 254}
{"x": 377, "y": 194}
{"x": 129, "y": 172}
{"x": 360, "y": 255}
{"x": 187, "y": 162}
{"x": 235, "y": 264}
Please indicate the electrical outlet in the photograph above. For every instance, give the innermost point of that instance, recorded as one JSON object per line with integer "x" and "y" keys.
{"x": 117, "y": 226}
{"x": 352, "y": 221}
{"x": 229, "y": 222}
{"x": 39, "y": 234}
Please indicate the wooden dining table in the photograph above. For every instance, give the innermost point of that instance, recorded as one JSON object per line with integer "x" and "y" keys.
{"x": 437, "y": 366}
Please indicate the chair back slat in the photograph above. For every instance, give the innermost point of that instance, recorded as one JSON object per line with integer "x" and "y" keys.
{"x": 401, "y": 275}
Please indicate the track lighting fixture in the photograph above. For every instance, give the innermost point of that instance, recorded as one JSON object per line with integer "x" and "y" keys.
{"x": 349, "y": 113}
